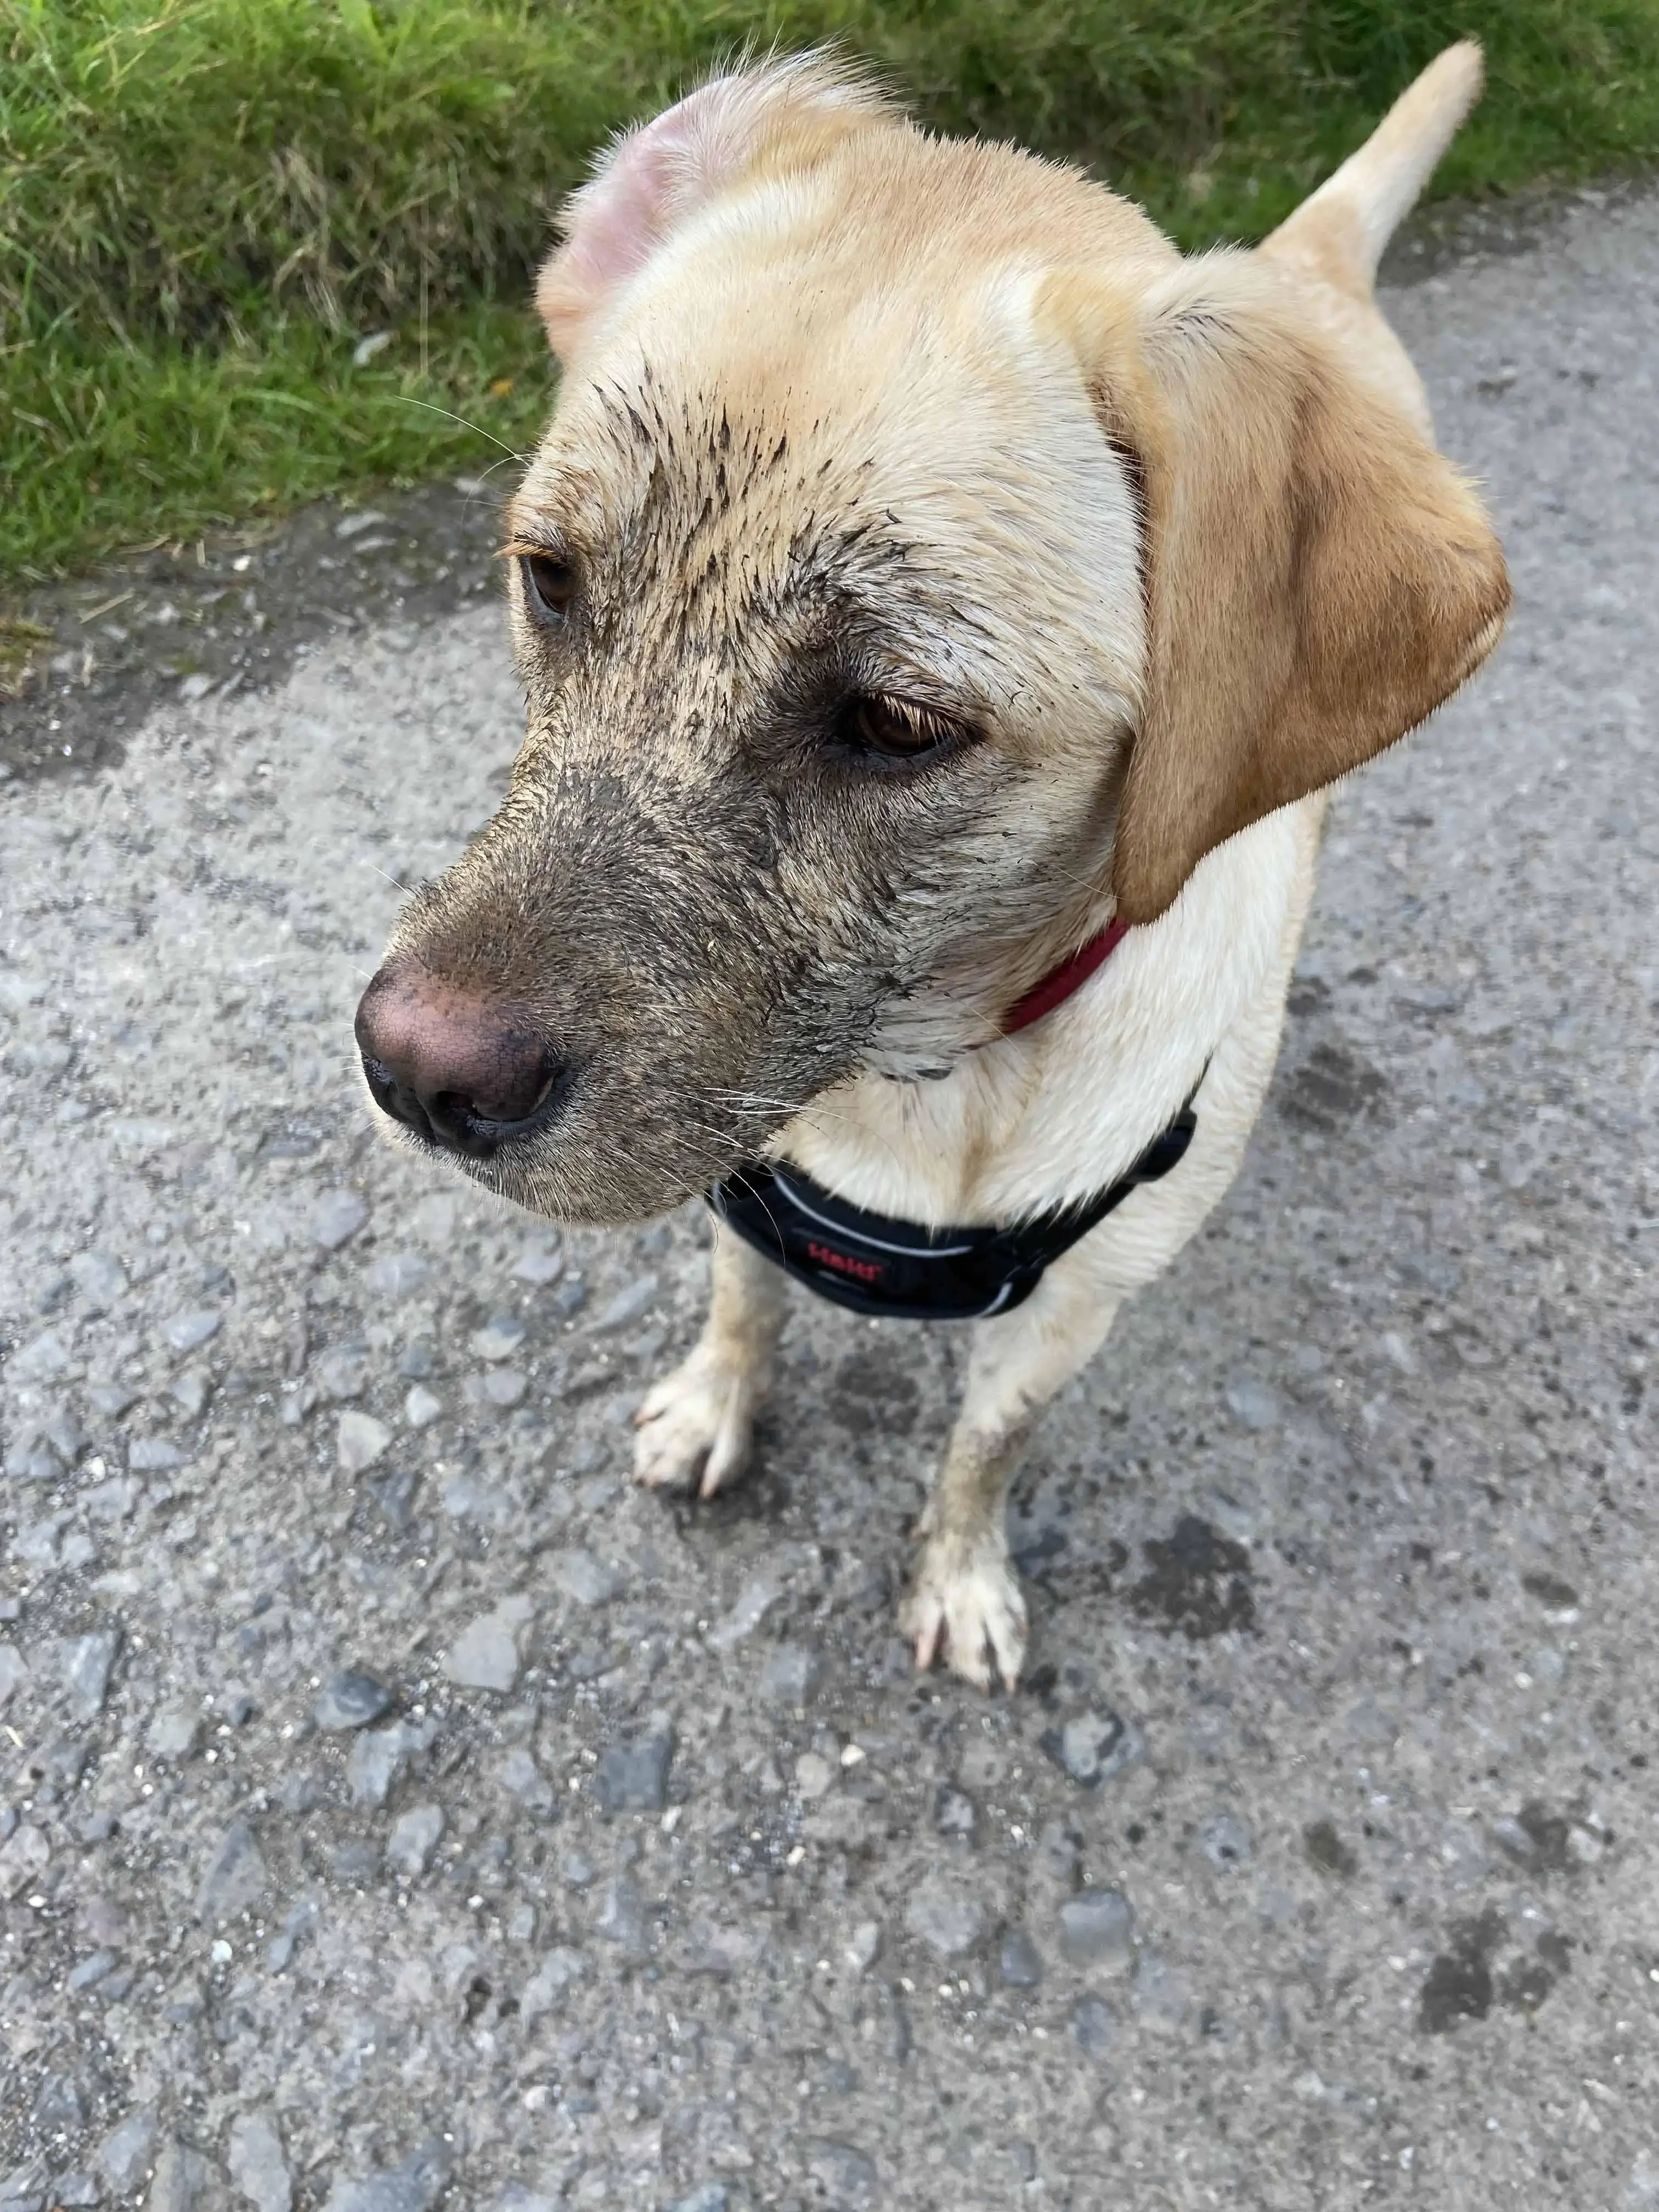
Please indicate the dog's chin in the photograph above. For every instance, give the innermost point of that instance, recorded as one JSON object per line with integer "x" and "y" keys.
{"x": 591, "y": 1184}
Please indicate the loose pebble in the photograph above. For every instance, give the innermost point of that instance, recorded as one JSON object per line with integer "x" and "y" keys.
{"x": 522, "y": 1778}
{"x": 335, "y": 1218}
{"x": 620, "y": 1918}
{"x": 584, "y": 1579}
{"x": 360, "y": 1441}
{"x": 257, "y": 2164}
{"x": 947, "y": 1919}
{"x": 814, "y": 1776}
{"x": 414, "y": 2186}
{"x": 539, "y": 1263}
{"x": 1093, "y": 2028}
{"x": 633, "y": 1775}
{"x": 1095, "y": 1746}
{"x": 485, "y": 1655}
{"x": 234, "y": 1879}
{"x": 380, "y": 1758}
{"x": 124, "y": 2155}
{"x": 421, "y": 1408}
{"x": 792, "y": 1675}
{"x": 86, "y": 1664}
{"x": 350, "y": 1700}
{"x": 413, "y": 1839}
{"x": 626, "y": 1306}
{"x": 499, "y": 1337}
{"x": 176, "y": 1732}
{"x": 1018, "y": 1962}
{"x": 1097, "y": 1930}
{"x": 1253, "y": 1405}
{"x": 185, "y": 1332}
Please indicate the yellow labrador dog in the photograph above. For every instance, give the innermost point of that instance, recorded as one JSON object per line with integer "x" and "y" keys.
{"x": 942, "y": 608}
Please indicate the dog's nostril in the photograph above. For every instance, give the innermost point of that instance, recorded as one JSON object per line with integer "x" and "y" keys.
{"x": 509, "y": 1091}
{"x": 394, "y": 1094}
{"x": 381, "y": 1081}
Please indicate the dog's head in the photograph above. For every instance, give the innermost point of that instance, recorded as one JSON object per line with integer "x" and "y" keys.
{"x": 921, "y": 556}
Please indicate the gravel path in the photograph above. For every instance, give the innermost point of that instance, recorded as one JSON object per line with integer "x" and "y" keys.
{"x": 396, "y": 1809}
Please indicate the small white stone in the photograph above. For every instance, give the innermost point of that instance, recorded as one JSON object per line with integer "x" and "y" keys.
{"x": 337, "y": 1215}
{"x": 813, "y": 1776}
{"x": 945, "y": 1918}
{"x": 864, "y": 1946}
{"x": 187, "y": 1330}
{"x": 485, "y": 1655}
{"x": 586, "y": 1579}
{"x": 421, "y": 1408}
{"x": 538, "y": 1263}
{"x": 499, "y": 1337}
{"x": 1252, "y": 1404}
{"x": 361, "y": 1441}
{"x": 414, "y": 1838}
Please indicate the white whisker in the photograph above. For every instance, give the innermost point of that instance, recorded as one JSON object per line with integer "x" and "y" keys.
{"x": 523, "y": 459}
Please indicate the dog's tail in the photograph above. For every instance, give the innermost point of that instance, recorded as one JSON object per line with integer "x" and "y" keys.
{"x": 1341, "y": 232}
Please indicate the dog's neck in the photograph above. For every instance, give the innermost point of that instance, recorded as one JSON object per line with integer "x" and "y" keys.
{"x": 927, "y": 1032}
{"x": 1058, "y": 985}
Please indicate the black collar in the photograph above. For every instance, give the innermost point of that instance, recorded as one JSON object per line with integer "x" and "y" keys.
{"x": 899, "y": 1269}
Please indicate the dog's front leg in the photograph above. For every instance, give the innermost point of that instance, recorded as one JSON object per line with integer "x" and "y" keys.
{"x": 696, "y": 1426}
{"x": 965, "y": 1600}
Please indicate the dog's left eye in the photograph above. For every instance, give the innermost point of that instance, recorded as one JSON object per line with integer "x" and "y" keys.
{"x": 550, "y": 585}
{"x": 897, "y": 729}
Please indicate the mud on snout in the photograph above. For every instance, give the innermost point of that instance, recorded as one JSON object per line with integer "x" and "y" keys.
{"x": 637, "y": 974}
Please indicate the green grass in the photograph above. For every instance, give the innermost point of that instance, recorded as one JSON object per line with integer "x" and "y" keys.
{"x": 204, "y": 204}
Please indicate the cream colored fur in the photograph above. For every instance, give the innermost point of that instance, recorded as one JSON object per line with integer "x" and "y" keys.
{"x": 1068, "y": 376}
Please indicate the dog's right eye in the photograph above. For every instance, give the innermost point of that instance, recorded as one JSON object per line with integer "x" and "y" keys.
{"x": 896, "y": 730}
{"x": 550, "y": 585}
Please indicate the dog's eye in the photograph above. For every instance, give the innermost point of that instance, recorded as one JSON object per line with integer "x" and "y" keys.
{"x": 550, "y": 585}
{"x": 895, "y": 729}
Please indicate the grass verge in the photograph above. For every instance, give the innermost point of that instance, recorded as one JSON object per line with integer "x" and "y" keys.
{"x": 207, "y": 205}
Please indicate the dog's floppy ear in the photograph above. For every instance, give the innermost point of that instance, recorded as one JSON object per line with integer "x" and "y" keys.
{"x": 1317, "y": 578}
{"x": 654, "y": 176}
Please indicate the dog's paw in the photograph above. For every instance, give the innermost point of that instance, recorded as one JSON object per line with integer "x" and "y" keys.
{"x": 694, "y": 1426}
{"x": 965, "y": 1603}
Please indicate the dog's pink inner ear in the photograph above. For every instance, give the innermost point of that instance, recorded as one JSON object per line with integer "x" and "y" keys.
{"x": 655, "y": 176}
{"x": 611, "y": 224}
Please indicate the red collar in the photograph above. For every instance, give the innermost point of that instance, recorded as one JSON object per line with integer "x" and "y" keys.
{"x": 1060, "y": 982}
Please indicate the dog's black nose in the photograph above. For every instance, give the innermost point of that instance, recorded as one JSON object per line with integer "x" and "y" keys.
{"x": 459, "y": 1067}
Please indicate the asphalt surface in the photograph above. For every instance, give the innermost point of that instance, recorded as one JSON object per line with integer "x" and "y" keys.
{"x": 396, "y": 1807}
